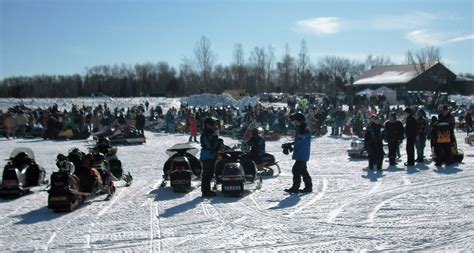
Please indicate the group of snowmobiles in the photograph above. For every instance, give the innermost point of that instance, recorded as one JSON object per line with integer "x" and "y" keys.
{"x": 233, "y": 173}
{"x": 80, "y": 176}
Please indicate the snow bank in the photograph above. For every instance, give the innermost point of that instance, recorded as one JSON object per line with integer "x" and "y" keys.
{"x": 207, "y": 100}
{"x": 66, "y": 103}
{"x": 462, "y": 100}
{"x": 388, "y": 77}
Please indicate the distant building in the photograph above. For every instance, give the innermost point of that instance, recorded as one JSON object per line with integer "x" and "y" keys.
{"x": 404, "y": 78}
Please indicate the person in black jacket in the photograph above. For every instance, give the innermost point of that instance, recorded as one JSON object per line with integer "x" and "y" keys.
{"x": 373, "y": 141}
{"x": 140, "y": 122}
{"x": 422, "y": 129}
{"x": 393, "y": 136}
{"x": 410, "y": 134}
{"x": 445, "y": 141}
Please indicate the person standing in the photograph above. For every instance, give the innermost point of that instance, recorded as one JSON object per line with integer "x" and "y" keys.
{"x": 192, "y": 125}
{"x": 373, "y": 139}
{"x": 393, "y": 136}
{"x": 445, "y": 140}
{"x": 210, "y": 144}
{"x": 410, "y": 134}
{"x": 422, "y": 129}
{"x": 301, "y": 152}
{"x": 140, "y": 122}
{"x": 170, "y": 122}
{"x": 468, "y": 120}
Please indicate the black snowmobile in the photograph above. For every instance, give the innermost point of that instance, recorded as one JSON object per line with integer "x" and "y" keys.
{"x": 235, "y": 173}
{"x": 21, "y": 174}
{"x": 181, "y": 167}
{"x": 113, "y": 164}
{"x": 122, "y": 135}
{"x": 266, "y": 166}
{"x": 80, "y": 177}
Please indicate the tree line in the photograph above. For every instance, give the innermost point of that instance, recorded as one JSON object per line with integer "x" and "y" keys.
{"x": 259, "y": 72}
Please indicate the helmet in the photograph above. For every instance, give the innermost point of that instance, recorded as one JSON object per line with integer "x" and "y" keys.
{"x": 298, "y": 116}
{"x": 254, "y": 131}
{"x": 103, "y": 141}
{"x": 209, "y": 121}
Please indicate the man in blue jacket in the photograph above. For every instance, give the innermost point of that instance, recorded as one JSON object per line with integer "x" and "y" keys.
{"x": 210, "y": 144}
{"x": 301, "y": 151}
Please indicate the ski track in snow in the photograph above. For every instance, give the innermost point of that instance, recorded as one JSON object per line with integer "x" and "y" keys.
{"x": 417, "y": 208}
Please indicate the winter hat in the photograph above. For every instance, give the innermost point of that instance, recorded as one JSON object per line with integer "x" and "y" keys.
{"x": 408, "y": 110}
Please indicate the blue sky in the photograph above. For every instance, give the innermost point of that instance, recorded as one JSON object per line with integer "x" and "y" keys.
{"x": 66, "y": 36}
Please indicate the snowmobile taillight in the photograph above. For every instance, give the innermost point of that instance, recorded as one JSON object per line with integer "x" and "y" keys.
{"x": 10, "y": 182}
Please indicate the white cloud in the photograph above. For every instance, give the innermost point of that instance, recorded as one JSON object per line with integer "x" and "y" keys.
{"x": 429, "y": 38}
{"x": 321, "y": 25}
{"x": 460, "y": 39}
{"x": 424, "y": 37}
{"x": 413, "y": 20}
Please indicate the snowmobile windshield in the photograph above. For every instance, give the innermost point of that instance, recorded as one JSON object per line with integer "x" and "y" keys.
{"x": 25, "y": 150}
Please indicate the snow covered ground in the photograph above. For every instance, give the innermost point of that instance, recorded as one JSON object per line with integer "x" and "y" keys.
{"x": 419, "y": 208}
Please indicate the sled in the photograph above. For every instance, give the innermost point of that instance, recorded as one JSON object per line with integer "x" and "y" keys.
{"x": 181, "y": 167}
{"x": 21, "y": 174}
{"x": 469, "y": 139}
{"x": 357, "y": 149}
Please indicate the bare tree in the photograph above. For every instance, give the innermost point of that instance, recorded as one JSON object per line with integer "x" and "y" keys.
{"x": 205, "y": 59}
{"x": 258, "y": 64}
{"x": 303, "y": 67}
{"x": 285, "y": 70}
{"x": 374, "y": 61}
{"x": 238, "y": 66}
{"x": 424, "y": 58}
{"x": 270, "y": 61}
{"x": 338, "y": 71}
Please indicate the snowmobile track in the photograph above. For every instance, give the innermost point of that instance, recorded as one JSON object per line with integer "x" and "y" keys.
{"x": 404, "y": 188}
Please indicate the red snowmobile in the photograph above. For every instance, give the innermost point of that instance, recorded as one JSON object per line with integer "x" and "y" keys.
{"x": 80, "y": 177}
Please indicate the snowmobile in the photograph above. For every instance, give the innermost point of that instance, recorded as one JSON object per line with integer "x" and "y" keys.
{"x": 21, "y": 174}
{"x": 113, "y": 164}
{"x": 122, "y": 135}
{"x": 80, "y": 177}
{"x": 69, "y": 134}
{"x": 271, "y": 136}
{"x": 265, "y": 167}
{"x": 181, "y": 166}
{"x": 234, "y": 173}
{"x": 358, "y": 149}
{"x": 469, "y": 139}
{"x": 34, "y": 132}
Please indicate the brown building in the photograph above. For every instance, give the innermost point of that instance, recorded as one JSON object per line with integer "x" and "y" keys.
{"x": 403, "y": 78}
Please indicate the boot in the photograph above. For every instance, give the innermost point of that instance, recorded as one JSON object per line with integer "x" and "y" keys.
{"x": 292, "y": 191}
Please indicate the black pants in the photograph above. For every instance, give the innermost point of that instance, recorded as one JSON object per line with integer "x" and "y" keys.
{"x": 375, "y": 156}
{"x": 443, "y": 153}
{"x": 207, "y": 174}
{"x": 392, "y": 152}
{"x": 411, "y": 150}
{"x": 300, "y": 170}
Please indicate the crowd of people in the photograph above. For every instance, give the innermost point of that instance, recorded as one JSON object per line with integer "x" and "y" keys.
{"x": 374, "y": 120}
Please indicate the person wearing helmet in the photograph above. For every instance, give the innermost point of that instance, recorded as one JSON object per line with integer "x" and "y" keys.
{"x": 210, "y": 143}
{"x": 257, "y": 145}
{"x": 256, "y": 153}
{"x": 103, "y": 145}
{"x": 301, "y": 152}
